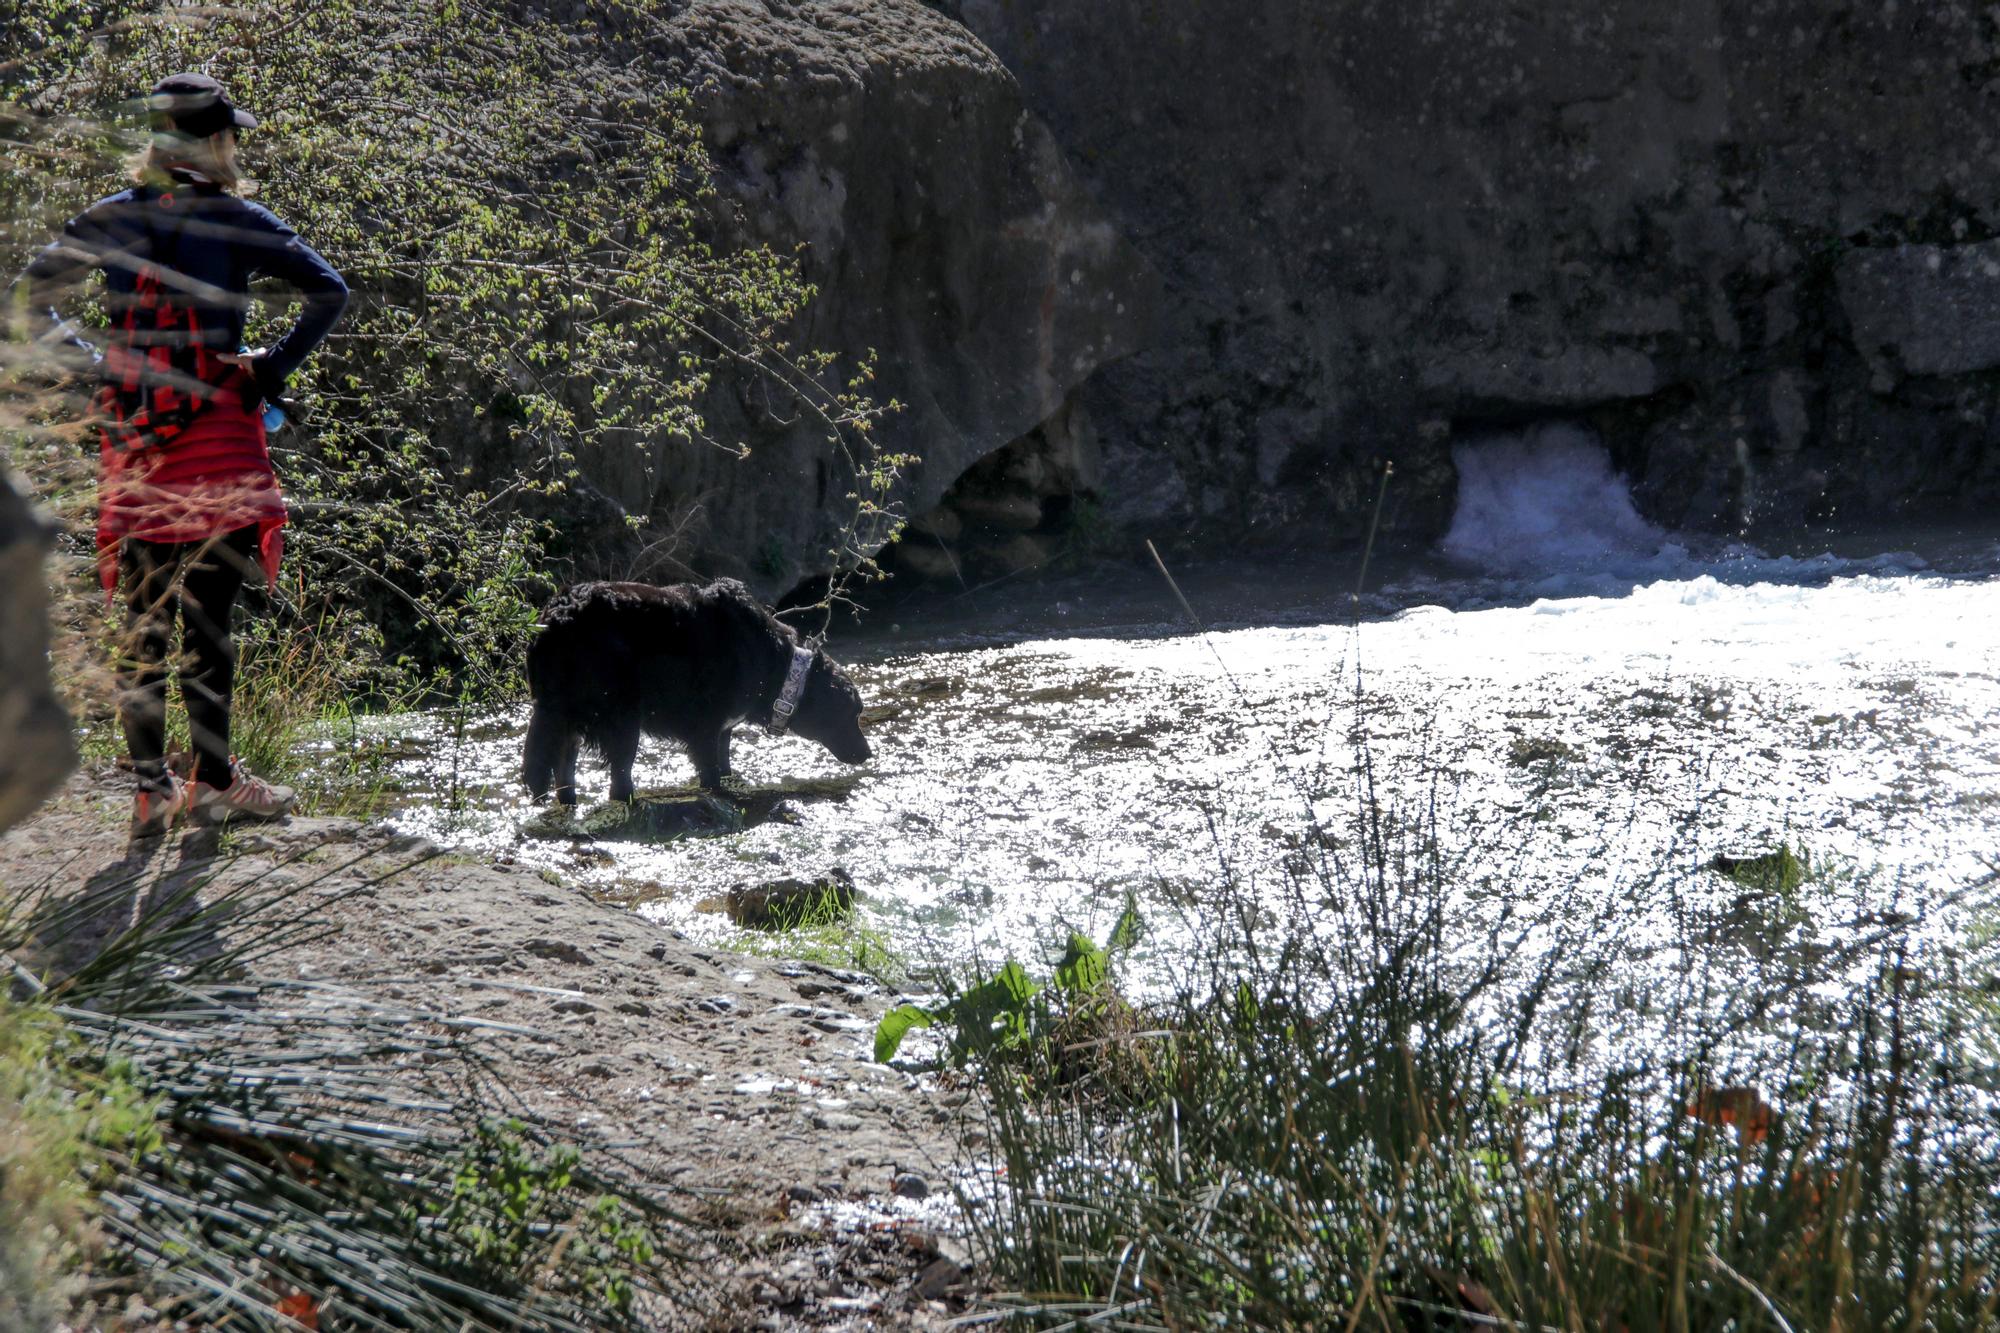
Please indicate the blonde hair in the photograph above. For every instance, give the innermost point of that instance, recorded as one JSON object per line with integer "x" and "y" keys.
{"x": 214, "y": 157}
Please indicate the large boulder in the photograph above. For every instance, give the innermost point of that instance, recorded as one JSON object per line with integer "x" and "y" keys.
{"x": 36, "y": 749}
{"x": 943, "y": 228}
{"x": 1924, "y": 309}
{"x": 1752, "y": 235}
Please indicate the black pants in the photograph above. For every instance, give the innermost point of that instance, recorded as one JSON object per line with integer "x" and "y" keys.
{"x": 196, "y": 583}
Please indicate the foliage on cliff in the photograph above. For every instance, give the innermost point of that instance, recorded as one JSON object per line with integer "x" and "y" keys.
{"x": 522, "y": 218}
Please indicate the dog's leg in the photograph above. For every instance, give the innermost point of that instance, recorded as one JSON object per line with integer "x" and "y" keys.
{"x": 621, "y": 751}
{"x": 566, "y": 770}
{"x": 711, "y": 759}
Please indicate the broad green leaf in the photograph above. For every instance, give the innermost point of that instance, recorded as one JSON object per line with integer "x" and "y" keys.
{"x": 1083, "y": 966}
{"x": 1129, "y": 928}
{"x": 897, "y": 1024}
{"x": 994, "y": 1010}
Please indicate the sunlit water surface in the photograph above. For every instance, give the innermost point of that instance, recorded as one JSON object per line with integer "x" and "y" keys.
{"x": 1576, "y": 718}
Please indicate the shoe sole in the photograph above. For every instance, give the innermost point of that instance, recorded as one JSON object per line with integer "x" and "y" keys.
{"x": 207, "y": 818}
{"x": 156, "y": 826}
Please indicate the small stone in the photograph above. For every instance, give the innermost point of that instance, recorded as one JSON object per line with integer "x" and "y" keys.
{"x": 560, "y": 950}
{"x": 939, "y": 1277}
{"x": 835, "y": 1121}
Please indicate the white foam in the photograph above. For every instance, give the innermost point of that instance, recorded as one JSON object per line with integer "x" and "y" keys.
{"x": 1543, "y": 514}
{"x": 1545, "y": 501}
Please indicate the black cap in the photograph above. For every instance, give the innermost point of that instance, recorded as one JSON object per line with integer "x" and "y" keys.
{"x": 198, "y": 106}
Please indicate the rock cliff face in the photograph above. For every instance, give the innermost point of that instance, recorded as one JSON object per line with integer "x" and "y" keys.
{"x": 943, "y": 228}
{"x": 35, "y": 748}
{"x": 1751, "y": 243}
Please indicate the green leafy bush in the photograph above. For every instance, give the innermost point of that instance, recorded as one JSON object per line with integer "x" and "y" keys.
{"x": 524, "y": 215}
{"x": 1008, "y": 1015}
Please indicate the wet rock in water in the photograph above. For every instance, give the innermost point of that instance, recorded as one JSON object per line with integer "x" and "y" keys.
{"x": 644, "y": 819}
{"x": 784, "y": 904}
{"x": 940, "y": 1275}
{"x": 1528, "y": 751}
{"x": 1779, "y": 872}
{"x": 659, "y": 819}
{"x": 554, "y": 823}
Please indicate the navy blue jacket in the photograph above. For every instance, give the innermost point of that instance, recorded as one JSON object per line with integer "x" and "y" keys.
{"x": 210, "y": 245}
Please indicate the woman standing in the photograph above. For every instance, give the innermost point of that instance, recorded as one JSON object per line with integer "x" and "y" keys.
{"x": 188, "y": 503}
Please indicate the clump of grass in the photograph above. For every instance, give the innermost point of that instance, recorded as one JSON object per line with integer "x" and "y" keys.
{"x": 301, "y": 690}
{"x": 1780, "y": 872}
{"x": 1357, "y": 1120}
{"x": 302, "y": 687}
{"x": 847, "y": 941}
{"x": 1529, "y": 751}
{"x": 60, "y": 1109}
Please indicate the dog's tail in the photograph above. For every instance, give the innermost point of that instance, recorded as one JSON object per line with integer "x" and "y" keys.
{"x": 546, "y": 736}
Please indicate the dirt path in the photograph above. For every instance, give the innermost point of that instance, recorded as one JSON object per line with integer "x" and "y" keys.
{"x": 743, "y": 1081}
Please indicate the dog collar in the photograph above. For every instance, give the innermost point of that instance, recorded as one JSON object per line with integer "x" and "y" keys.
{"x": 787, "y": 701}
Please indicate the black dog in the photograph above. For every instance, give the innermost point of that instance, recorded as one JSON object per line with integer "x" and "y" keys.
{"x": 686, "y": 663}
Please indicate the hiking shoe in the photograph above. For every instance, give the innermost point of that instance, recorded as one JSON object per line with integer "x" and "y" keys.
{"x": 248, "y": 797}
{"x": 154, "y": 809}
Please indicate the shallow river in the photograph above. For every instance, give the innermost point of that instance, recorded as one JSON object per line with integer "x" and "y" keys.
{"x": 1576, "y": 716}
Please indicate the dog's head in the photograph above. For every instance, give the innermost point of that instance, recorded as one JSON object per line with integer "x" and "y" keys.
{"x": 830, "y": 712}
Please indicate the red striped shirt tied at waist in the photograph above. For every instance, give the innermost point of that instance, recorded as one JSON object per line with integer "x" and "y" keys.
{"x": 215, "y": 477}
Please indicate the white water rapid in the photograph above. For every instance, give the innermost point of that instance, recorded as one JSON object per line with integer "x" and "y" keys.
{"x": 1546, "y": 502}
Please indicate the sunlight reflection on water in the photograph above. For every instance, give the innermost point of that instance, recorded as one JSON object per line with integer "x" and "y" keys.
{"x": 1572, "y": 752}
{"x": 1562, "y": 721}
